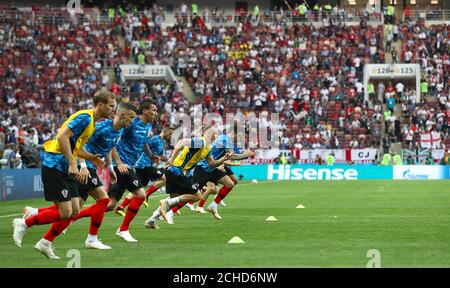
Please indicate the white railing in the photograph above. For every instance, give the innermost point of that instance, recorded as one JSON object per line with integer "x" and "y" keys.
{"x": 57, "y": 16}
{"x": 428, "y": 15}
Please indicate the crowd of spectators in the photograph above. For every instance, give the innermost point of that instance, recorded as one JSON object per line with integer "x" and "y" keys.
{"x": 312, "y": 76}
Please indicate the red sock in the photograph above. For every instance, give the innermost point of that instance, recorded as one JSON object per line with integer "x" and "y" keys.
{"x": 45, "y": 217}
{"x": 56, "y": 229}
{"x": 125, "y": 203}
{"x": 131, "y": 212}
{"x": 190, "y": 203}
{"x": 53, "y": 207}
{"x": 201, "y": 203}
{"x": 85, "y": 212}
{"x": 176, "y": 208}
{"x": 97, "y": 214}
{"x": 150, "y": 190}
{"x": 223, "y": 192}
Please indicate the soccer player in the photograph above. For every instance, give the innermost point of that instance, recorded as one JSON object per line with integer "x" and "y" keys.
{"x": 209, "y": 178}
{"x": 125, "y": 155}
{"x": 106, "y": 136}
{"x": 60, "y": 169}
{"x": 179, "y": 180}
{"x": 145, "y": 169}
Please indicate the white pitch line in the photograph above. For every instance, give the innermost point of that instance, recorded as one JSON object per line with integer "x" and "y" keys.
{"x": 6, "y": 216}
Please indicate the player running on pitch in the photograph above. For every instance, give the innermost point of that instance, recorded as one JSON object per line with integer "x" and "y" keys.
{"x": 60, "y": 169}
{"x": 179, "y": 178}
{"x": 106, "y": 136}
{"x": 145, "y": 167}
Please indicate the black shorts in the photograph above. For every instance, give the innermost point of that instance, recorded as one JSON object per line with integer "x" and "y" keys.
{"x": 180, "y": 184}
{"x": 149, "y": 174}
{"x": 93, "y": 183}
{"x": 201, "y": 176}
{"x": 130, "y": 182}
{"x": 228, "y": 171}
{"x": 58, "y": 186}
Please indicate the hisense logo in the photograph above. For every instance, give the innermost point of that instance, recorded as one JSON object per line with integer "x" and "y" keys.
{"x": 284, "y": 172}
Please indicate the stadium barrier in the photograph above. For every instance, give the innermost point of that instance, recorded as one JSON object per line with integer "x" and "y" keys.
{"x": 19, "y": 184}
{"x": 341, "y": 172}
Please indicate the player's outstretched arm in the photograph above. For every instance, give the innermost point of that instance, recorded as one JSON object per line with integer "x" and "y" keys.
{"x": 155, "y": 158}
{"x": 246, "y": 154}
{"x": 215, "y": 163}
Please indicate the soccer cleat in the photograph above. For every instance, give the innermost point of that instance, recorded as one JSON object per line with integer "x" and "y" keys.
{"x": 161, "y": 218}
{"x": 151, "y": 224}
{"x": 222, "y": 204}
{"x": 20, "y": 228}
{"x": 213, "y": 210}
{"x": 125, "y": 235}
{"x": 145, "y": 203}
{"x": 190, "y": 206}
{"x": 169, "y": 219}
{"x": 164, "y": 207}
{"x": 119, "y": 211}
{"x": 96, "y": 245}
{"x": 46, "y": 248}
{"x": 28, "y": 212}
{"x": 201, "y": 210}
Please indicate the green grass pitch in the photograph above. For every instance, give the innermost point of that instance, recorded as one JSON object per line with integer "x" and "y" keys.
{"x": 406, "y": 221}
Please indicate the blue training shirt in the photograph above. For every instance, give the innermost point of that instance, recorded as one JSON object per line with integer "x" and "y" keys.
{"x": 156, "y": 145}
{"x": 58, "y": 161}
{"x": 133, "y": 141}
{"x": 104, "y": 139}
{"x": 220, "y": 147}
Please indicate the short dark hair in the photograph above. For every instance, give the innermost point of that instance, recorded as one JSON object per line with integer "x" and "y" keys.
{"x": 127, "y": 106}
{"x": 145, "y": 105}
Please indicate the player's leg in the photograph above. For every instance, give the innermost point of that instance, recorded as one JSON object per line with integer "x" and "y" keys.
{"x": 152, "y": 222}
{"x": 58, "y": 188}
{"x": 132, "y": 183}
{"x": 158, "y": 175}
{"x": 174, "y": 204}
{"x": 125, "y": 202}
{"x": 45, "y": 244}
{"x": 97, "y": 213}
{"x": 115, "y": 193}
{"x": 59, "y": 227}
{"x": 228, "y": 185}
{"x": 233, "y": 177}
{"x": 29, "y": 211}
{"x": 210, "y": 188}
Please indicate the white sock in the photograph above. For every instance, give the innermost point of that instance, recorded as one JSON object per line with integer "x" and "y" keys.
{"x": 213, "y": 204}
{"x": 34, "y": 211}
{"x": 155, "y": 215}
{"x": 91, "y": 238}
{"x": 170, "y": 213}
{"x": 173, "y": 201}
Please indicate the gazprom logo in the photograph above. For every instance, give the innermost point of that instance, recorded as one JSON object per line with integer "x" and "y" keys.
{"x": 407, "y": 175}
{"x": 284, "y": 172}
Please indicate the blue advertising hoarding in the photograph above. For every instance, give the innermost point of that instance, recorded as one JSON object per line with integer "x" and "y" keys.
{"x": 26, "y": 183}
{"x": 20, "y": 184}
{"x": 342, "y": 172}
